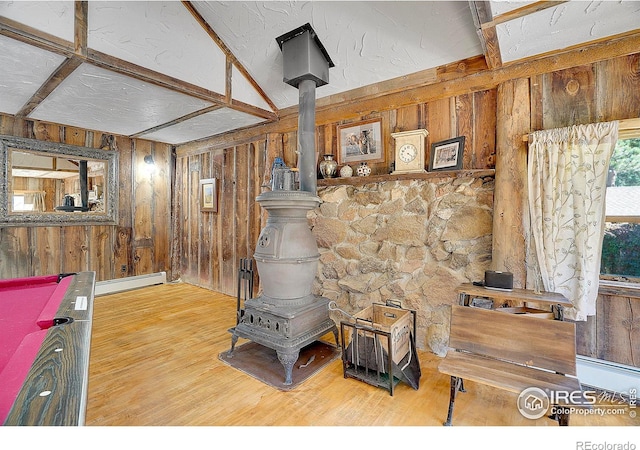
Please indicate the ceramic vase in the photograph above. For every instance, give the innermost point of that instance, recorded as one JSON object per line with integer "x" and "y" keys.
{"x": 328, "y": 167}
{"x": 363, "y": 170}
{"x": 346, "y": 171}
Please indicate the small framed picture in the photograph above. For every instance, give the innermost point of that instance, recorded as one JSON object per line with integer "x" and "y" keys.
{"x": 447, "y": 155}
{"x": 209, "y": 195}
{"x": 361, "y": 141}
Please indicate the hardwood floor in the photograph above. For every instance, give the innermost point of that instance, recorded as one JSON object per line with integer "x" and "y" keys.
{"x": 154, "y": 361}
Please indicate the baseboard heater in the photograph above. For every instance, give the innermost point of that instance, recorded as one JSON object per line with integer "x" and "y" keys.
{"x": 128, "y": 283}
{"x": 607, "y": 375}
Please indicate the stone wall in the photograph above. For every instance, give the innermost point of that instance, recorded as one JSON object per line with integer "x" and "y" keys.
{"x": 413, "y": 241}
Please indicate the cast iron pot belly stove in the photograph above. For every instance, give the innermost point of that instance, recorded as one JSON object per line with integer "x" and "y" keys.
{"x": 287, "y": 316}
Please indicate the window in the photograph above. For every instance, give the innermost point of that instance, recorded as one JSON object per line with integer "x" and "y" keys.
{"x": 20, "y": 204}
{"x": 621, "y": 244}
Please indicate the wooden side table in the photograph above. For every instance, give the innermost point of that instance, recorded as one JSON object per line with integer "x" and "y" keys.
{"x": 548, "y": 305}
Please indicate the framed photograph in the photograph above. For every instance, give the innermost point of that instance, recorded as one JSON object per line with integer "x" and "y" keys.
{"x": 209, "y": 195}
{"x": 447, "y": 155}
{"x": 360, "y": 142}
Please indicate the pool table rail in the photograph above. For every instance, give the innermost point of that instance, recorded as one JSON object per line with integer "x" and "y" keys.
{"x": 61, "y": 367}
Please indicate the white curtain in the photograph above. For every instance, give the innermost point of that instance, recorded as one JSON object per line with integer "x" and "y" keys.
{"x": 567, "y": 186}
{"x": 36, "y": 199}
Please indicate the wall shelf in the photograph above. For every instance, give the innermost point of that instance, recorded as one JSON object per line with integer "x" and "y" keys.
{"x": 359, "y": 181}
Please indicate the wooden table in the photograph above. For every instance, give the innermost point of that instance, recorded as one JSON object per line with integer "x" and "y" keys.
{"x": 552, "y": 302}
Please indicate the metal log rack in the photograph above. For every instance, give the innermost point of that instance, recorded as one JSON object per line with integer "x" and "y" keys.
{"x": 375, "y": 374}
{"x": 368, "y": 357}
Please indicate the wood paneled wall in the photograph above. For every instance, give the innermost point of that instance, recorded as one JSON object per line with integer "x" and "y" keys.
{"x": 603, "y": 91}
{"x": 608, "y": 89}
{"x": 139, "y": 243}
{"x": 613, "y": 334}
{"x": 599, "y": 92}
{"x": 472, "y": 115}
{"x": 209, "y": 245}
{"x": 161, "y": 230}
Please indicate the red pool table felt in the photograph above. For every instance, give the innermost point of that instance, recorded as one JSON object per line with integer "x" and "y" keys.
{"x": 27, "y": 309}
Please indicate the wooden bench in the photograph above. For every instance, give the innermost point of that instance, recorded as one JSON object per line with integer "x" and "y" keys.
{"x": 516, "y": 353}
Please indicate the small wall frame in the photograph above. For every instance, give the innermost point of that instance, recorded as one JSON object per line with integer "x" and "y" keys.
{"x": 209, "y": 195}
{"x": 447, "y": 155}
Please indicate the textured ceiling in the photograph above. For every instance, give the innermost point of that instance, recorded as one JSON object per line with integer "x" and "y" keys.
{"x": 368, "y": 42}
{"x": 177, "y": 72}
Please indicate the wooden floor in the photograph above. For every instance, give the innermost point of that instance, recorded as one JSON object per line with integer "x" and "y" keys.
{"x": 154, "y": 361}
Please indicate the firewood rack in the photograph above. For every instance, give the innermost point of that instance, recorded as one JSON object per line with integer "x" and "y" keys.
{"x": 368, "y": 353}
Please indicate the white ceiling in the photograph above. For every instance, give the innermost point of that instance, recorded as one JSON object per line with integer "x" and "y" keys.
{"x": 181, "y": 71}
{"x": 368, "y": 41}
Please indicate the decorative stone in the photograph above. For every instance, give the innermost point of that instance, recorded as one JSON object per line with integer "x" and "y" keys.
{"x": 412, "y": 241}
{"x": 328, "y": 167}
{"x": 336, "y": 194}
{"x": 363, "y": 169}
{"x": 329, "y": 231}
{"x": 468, "y": 222}
{"x": 347, "y": 251}
{"x": 346, "y": 171}
{"x": 365, "y": 198}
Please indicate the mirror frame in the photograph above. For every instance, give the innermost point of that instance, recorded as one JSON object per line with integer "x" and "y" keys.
{"x": 108, "y": 217}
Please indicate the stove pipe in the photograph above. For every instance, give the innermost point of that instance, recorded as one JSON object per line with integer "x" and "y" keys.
{"x": 306, "y": 66}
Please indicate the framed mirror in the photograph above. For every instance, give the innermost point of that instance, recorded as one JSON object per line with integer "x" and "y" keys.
{"x": 46, "y": 183}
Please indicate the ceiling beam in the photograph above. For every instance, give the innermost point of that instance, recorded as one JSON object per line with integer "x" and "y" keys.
{"x": 159, "y": 79}
{"x": 486, "y": 25}
{"x": 230, "y": 56}
{"x": 228, "y": 94}
{"x": 68, "y": 66}
{"x": 481, "y": 13}
{"x": 37, "y": 38}
{"x": 491, "y": 47}
{"x": 176, "y": 121}
{"x": 523, "y": 11}
{"x": 612, "y": 47}
{"x": 58, "y": 76}
{"x": 449, "y": 83}
{"x": 80, "y": 32}
{"x": 77, "y": 52}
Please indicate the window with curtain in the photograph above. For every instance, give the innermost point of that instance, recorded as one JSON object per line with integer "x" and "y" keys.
{"x": 621, "y": 244}
{"x": 567, "y": 176}
{"x": 29, "y": 201}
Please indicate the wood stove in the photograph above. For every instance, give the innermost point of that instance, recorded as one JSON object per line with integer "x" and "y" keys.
{"x": 287, "y": 316}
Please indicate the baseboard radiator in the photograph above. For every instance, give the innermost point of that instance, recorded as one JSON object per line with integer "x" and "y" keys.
{"x": 607, "y": 375}
{"x": 128, "y": 283}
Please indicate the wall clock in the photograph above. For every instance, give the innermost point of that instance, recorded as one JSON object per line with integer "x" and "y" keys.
{"x": 409, "y": 154}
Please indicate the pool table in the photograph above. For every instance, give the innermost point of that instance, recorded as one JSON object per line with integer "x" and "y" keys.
{"x": 45, "y": 338}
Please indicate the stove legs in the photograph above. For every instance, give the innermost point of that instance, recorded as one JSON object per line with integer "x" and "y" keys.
{"x": 287, "y": 348}
{"x": 288, "y": 359}
{"x": 234, "y": 340}
{"x": 335, "y": 335}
